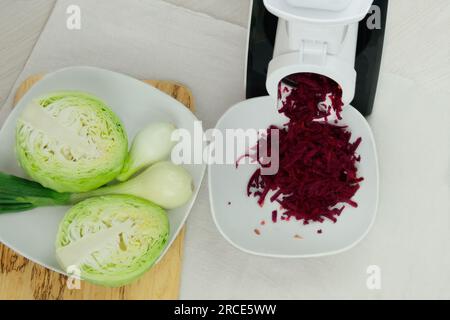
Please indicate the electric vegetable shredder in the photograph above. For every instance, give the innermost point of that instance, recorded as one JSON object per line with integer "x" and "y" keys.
{"x": 341, "y": 39}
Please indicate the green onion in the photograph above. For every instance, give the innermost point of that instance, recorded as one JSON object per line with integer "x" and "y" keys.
{"x": 18, "y": 194}
{"x": 165, "y": 184}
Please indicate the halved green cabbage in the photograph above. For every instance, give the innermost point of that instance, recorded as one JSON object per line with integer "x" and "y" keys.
{"x": 70, "y": 142}
{"x": 112, "y": 240}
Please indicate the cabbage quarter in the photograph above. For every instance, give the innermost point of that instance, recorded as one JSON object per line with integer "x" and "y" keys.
{"x": 70, "y": 142}
{"x": 111, "y": 240}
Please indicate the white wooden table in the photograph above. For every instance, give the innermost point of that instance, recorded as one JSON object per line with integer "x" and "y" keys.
{"x": 21, "y": 22}
{"x": 417, "y": 52}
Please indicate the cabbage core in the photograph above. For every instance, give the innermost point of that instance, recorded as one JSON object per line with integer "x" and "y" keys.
{"x": 113, "y": 239}
{"x": 70, "y": 142}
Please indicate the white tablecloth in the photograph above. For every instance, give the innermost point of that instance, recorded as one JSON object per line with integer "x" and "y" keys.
{"x": 409, "y": 242}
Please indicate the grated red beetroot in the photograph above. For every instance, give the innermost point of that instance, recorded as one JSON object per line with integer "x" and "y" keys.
{"x": 318, "y": 173}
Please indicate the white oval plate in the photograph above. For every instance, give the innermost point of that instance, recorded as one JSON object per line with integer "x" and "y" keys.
{"x": 32, "y": 233}
{"x": 238, "y": 220}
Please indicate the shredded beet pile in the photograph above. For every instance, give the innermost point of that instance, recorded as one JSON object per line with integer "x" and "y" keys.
{"x": 317, "y": 174}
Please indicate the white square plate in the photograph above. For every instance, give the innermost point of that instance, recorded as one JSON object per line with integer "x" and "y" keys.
{"x": 32, "y": 233}
{"x": 237, "y": 216}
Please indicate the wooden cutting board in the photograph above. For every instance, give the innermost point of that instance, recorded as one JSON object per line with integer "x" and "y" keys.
{"x": 23, "y": 279}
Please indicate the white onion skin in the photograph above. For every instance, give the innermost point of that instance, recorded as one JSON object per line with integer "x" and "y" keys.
{"x": 164, "y": 183}
{"x": 152, "y": 144}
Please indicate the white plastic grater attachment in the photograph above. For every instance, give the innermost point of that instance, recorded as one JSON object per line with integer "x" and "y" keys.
{"x": 314, "y": 37}
{"x": 334, "y": 5}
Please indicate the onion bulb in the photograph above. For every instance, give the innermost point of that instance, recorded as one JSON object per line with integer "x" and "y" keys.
{"x": 151, "y": 145}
